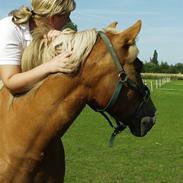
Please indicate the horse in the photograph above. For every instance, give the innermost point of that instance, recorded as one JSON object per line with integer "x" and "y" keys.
{"x": 106, "y": 76}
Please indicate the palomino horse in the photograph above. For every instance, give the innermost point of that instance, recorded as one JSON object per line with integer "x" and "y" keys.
{"x": 108, "y": 79}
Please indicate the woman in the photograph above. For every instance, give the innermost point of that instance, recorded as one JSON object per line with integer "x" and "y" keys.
{"x": 16, "y": 30}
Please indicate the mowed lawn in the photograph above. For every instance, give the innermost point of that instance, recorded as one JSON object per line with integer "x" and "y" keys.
{"x": 155, "y": 158}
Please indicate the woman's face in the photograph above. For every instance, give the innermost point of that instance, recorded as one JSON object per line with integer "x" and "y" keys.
{"x": 59, "y": 21}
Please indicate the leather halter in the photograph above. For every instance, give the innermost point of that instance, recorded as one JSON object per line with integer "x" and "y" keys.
{"x": 121, "y": 73}
{"x": 142, "y": 90}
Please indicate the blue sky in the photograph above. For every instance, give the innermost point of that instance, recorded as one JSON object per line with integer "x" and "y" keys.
{"x": 162, "y": 22}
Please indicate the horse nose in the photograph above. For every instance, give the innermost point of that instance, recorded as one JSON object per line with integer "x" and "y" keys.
{"x": 147, "y": 123}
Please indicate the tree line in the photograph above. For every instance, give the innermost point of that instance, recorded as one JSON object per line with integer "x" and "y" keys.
{"x": 154, "y": 66}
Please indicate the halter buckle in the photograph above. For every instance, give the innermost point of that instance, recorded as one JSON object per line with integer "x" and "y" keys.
{"x": 123, "y": 77}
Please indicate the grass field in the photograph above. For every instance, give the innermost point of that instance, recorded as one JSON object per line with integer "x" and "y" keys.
{"x": 155, "y": 158}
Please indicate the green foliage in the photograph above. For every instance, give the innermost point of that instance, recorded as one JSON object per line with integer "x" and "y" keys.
{"x": 154, "y": 59}
{"x": 163, "y": 68}
{"x": 153, "y": 66}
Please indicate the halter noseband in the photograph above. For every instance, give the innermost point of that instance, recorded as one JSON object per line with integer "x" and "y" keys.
{"x": 142, "y": 90}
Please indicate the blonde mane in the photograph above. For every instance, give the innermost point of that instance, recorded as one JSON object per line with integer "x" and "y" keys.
{"x": 40, "y": 50}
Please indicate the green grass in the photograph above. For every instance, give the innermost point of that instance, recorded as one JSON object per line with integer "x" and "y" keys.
{"x": 155, "y": 158}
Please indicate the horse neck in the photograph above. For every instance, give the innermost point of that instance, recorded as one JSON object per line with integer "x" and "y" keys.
{"x": 59, "y": 100}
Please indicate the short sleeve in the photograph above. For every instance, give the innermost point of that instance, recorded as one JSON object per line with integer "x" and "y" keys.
{"x": 10, "y": 45}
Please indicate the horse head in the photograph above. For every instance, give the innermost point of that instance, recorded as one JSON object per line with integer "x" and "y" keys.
{"x": 114, "y": 82}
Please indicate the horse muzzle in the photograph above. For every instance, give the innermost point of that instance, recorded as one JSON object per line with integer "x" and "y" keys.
{"x": 141, "y": 128}
{"x": 144, "y": 120}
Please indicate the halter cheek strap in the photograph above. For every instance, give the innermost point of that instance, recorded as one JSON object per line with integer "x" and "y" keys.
{"x": 121, "y": 72}
{"x": 122, "y": 80}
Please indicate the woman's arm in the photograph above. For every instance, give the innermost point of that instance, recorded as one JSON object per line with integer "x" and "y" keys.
{"x": 18, "y": 82}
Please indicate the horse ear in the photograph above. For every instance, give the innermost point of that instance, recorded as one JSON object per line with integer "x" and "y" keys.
{"x": 131, "y": 33}
{"x": 112, "y": 25}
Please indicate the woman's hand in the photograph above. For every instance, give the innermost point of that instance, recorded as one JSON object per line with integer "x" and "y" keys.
{"x": 52, "y": 34}
{"x": 60, "y": 63}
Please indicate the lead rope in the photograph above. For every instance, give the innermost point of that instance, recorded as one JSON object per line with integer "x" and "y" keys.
{"x": 118, "y": 129}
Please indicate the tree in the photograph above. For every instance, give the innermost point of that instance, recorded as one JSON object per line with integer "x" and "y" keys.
{"x": 154, "y": 59}
{"x": 164, "y": 67}
{"x": 179, "y": 68}
{"x": 155, "y": 67}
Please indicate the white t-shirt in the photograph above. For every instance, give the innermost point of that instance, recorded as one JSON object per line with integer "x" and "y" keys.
{"x": 13, "y": 40}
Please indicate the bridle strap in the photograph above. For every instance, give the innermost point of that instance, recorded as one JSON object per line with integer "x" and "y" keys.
{"x": 114, "y": 97}
{"x": 121, "y": 72}
{"x": 111, "y": 50}
{"x": 122, "y": 79}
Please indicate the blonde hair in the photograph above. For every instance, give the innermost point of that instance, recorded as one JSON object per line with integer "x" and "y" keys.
{"x": 41, "y": 9}
{"x": 40, "y": 51}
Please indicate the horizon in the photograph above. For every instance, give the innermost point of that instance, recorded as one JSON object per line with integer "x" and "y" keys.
{"x": 162, "y": 26}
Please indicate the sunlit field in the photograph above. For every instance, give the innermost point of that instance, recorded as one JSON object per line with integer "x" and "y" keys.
{"x": 155, "y": 158}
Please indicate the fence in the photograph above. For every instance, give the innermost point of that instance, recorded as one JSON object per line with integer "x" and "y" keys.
{"x": 162, "y": 75}
{"x": 156, "y": 83}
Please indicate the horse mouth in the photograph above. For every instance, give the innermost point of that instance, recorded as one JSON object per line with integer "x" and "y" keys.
{"x": 146, "y": 124}
{"x": 141, "y": 128}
